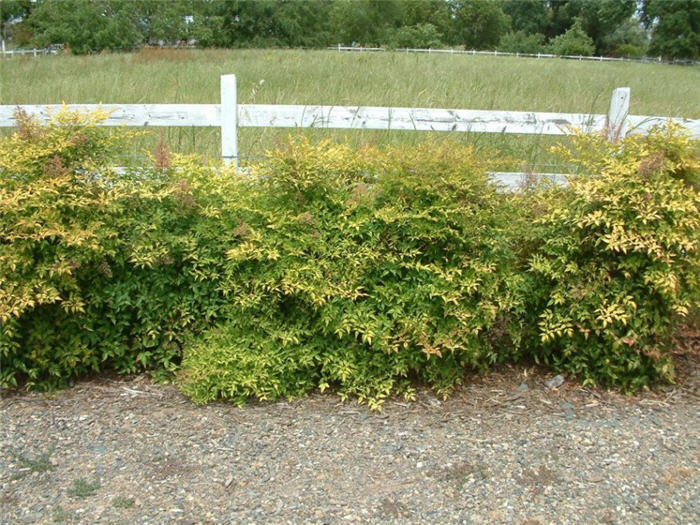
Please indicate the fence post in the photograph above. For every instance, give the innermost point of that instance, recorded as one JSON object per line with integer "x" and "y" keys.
{"x": 229, "y": 120}
{"x": 617, "y": 114}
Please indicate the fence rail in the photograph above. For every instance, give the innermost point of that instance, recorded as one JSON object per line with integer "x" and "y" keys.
{"x": 350, "y": 117}
{"x": 10, "y": 53}
{"x": 474, "y": 52}
{"x": 229, "y": 116}
{"x": 54, "y": 50}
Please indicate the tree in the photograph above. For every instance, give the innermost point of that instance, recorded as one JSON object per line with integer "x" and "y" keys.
{"x": 479, "y": 23}
{"x": 574, "y": 42}
{"x": 434, "y": 12}
{"x": 275, "y": 23}
{"x": 12, "y": 11}
{"x": 365, "y": 21}
{"x": 521, "y": 42}
{"x": 420, "y": 36}
{"x": 208, "y": 23}
{"x": 528, "y": 16}
{"x": 675, "y": 27}
{"x": 164, "y": 21}
{"x": 629, "y": 39}
{"x": 87, "y": 26}
{"x": 599, "y": 18}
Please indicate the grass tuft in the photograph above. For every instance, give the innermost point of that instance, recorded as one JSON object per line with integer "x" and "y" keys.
{"x": 82, "y": 488}
{"x": 122, "y": 502}
{"x": 29, "y": 465}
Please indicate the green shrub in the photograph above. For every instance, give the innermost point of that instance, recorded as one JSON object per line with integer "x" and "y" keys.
{"x": 252, "y": 357}
{"x": 327, "y": 267}
{"x": 419, "y": 36}
{"x": 574, "y": 42}
{"x": 56, "y": 235}
{"x": 382, "y": 267}
{"x": 522, "y": 42}
{"x": 99, "y": 269}
{"x": 618, "y": 261}
{"x": 628, "y": 50}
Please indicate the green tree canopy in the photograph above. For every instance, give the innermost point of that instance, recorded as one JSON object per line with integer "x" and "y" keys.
{"x": 675, "y": 27}
{"x": 599, "y": 18}
{"x": 528, "y": 16}
{"x": 520, "y": 25}
{"x": 521, "y": 42}
{"x": 10, "y": 11}
{"x": 574, "y": 42}
{"x": 86, "y": 26}
{"x": 479, "y": 23}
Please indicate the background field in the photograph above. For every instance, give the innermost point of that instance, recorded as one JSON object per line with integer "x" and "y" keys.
{"x": 332, "y": 78}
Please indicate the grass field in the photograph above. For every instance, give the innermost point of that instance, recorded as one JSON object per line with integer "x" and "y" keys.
{"x": 328, "y": 77}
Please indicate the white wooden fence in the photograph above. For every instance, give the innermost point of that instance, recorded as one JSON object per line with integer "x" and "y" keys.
{"x": 496, "y": 53}
{"x": 229, "y": 116}
{"x": 54, "y": 50}
{"x": 11, "y": 53}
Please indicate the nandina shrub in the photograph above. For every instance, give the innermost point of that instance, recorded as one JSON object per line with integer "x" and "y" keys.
{"x": 326, "y": 267}
{"x": 617, "y": 263}
{"x": 99, "y": 269}
{"x": 382, "y": 265}
{"x": 55, "y": 236}
{"x": 260, "y": 357}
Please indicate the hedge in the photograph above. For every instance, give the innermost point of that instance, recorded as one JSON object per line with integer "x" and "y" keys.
{"x": 325, "y": 267}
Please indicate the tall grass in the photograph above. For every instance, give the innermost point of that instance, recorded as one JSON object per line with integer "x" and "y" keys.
{"x": 332, "y": 78}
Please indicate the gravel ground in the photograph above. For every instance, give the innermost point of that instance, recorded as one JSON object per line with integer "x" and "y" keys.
{"x": 503, "y": 449}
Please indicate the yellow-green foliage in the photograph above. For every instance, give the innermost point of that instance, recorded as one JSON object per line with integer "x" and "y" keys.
{"x": 618, "y": 262}
{"x": 329, "y": 267}
{"x": 365, "y": 269}
{"x": 97, "y": 269}
{"x": 54, "y": 225}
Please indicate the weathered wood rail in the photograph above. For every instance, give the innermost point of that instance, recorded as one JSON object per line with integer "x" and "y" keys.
{"x": 229, "y": 116}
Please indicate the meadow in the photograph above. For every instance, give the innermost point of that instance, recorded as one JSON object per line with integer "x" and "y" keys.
{"x": 332, "y": 78}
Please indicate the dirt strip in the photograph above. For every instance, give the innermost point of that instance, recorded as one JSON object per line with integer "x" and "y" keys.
{"x": 502, "y": 449}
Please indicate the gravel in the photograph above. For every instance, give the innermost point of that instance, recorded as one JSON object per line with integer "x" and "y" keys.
{"x": 503, "y": 449}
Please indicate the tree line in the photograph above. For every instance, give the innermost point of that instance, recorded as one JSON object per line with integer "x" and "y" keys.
{"x": 667, "y": 28}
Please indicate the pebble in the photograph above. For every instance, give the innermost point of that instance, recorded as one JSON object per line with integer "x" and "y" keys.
{"x": 320, "y": 461}
{"x": 555, "y": 382}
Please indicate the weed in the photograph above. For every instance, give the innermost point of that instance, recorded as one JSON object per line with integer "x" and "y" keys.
{"x": 8, "y": 499}
{"x": 82, "y": 488}
{"x": 122, "y": 502}
{"x": 61, "y": 515}
{"x": 29, "y": 465}
{"x": 675, "y": 474}
{"x": 393, "y": 509}
{"x": 538, "y": 479}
